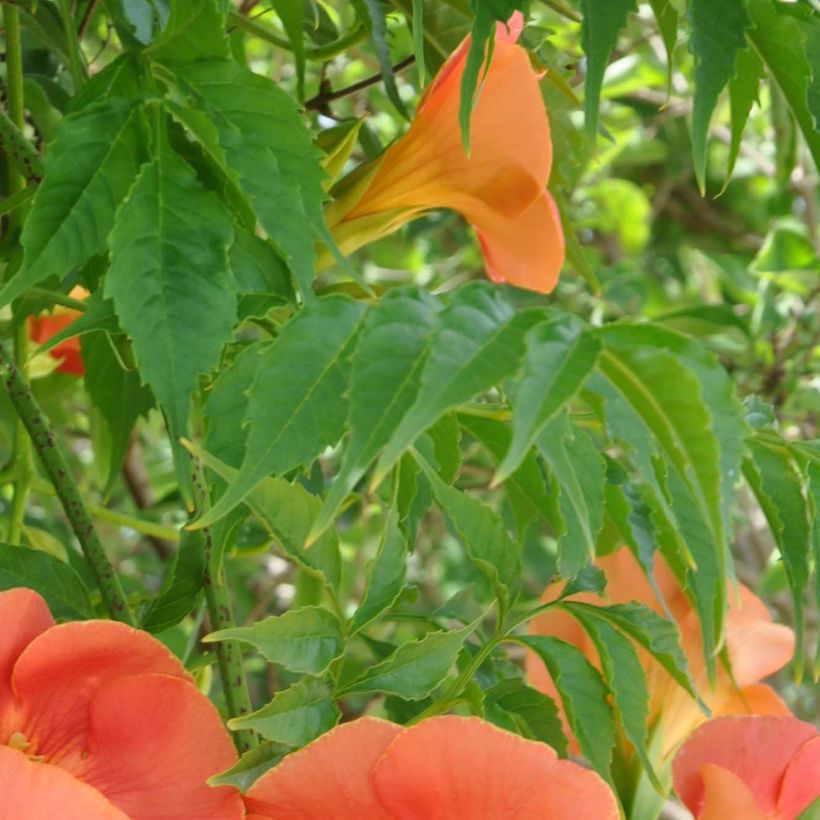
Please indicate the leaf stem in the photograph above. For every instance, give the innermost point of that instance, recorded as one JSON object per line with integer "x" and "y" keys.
{"x": 76, "y": 63}
{"x": 54, "y": 463}
{"x": 220, "y": 614}
{"x": 21, "y": 447}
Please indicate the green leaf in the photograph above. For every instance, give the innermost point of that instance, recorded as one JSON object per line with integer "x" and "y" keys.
{"x": 560, "y": 355}
{"x": 743, "y": 91}
{"x": 584, "y": 697}
{"x": 487, "y": 542}
{"x": 116, "y": 393}
{"x": 776, "y": 482}
{"x": 377, "y": 26}
{"x": 296, "y": 406}
{"x": 291, "y": 13}
{"x": 479, "y": 342}
{"x": 415, "y": 669}
{"x": 789, "y": 67}
{"x": 295, "y": 716}
{"x": 262, "y": 278}
{"x": 57, "y": 582}
{"x": 626, "y": 680}
{"x": 169, "y": 280}
{"x": 655, "y": 634}
{"x": 303, "y": 640}
{"x": 667, "y": 18}
{"x": 384, "y": 381}
{"x": 251, "y": 766}
{"x": 578, "y": 476}
{"x": 525, "y": 711}
{"x": 386, "y": 574}
{"x": 601, "y": 24}
{"x": 486, "y": 13}
{"x": 89, "y": 170}
{"x": 269, "y": 151}
{"x": 181, "y": 588}
{"x": 718, "y": 35}
{"x": 195, "y": 31}
{"x": 288, "y": 512}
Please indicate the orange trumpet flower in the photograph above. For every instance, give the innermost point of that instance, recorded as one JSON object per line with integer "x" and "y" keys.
{"x": 43, "y": 327}
{"x": 756, "y": 648}
{"x": 444, "y": 768}
{"x": 99, "y": 720}
{"x": 757, "y": 768}
{"x": 500, "y": 188}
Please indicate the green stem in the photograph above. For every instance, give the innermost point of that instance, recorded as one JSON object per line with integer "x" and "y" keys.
{"x": 54, "y": 463}
{"x": 21, "y": 447}
{"x": 76, "y": 63}
{"x": 20, "y": 152}
{"x": 220, "y": 614}
{"x": 321, "y": 53}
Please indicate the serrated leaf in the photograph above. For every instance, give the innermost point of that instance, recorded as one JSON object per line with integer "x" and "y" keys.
{"x": 303, "y": 640}
{"x": 584, "y": 698}
{"x": 195, "y": 30}
{"x": 89, "y": 170}
{"x": 181, "y": 588}
{"x": 262, "y": 278}
{"x": 288, "y": 512}
{"x": 415, "y": 669}
{"x": 377, "y": 25}
{"x": 655, "y": 634}
{"x": 291, "y": 13}
{"x": 296, "y": 405}
{"x": 560, "y": 355}
{"x": 269, "y": 151}
{"x": 718, "y": 30}
{"x": 384, "y": 380}
{"x": 295, "y": 716}
{"x": 117, "y": 393}
{"x": 486, "y": 13}
{"x": 666, "y": 16}
{"x": 743, "y": 91}
{"x": 169, "y": 280}
{"x": 56, "y": 581}
{"x": 602, "y": 22}
{"x": 578, "y": 472}
{"x": 535, "y": 715}
{"x": 251, "y": 766}
{"x": 479, "y": 342}
{"x": 789, "y": 67}
{"x": 626, "y": 680}
{"x": 386, "y": 574}
{"x": 776, "y": 482}
{"x": 481, "y": 531}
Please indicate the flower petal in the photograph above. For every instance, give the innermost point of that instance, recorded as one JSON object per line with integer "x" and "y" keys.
{"x": 39, "y": 791}
{"x": 56, "y": 675}
{"x": 801, "y": 785}
{"x": 726, "y": 795}
{"x": 450, "y": 768}
{"x": 154, "y": 740}
{"x": 24, "y": 615}
{"x": 757, "y": 749}
{"x": 329, "y": 779}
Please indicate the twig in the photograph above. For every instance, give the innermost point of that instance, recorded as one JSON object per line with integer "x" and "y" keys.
{"x": 220, "y": 614}
{"x": 323, "y": 98}
{"x": 54, "y": 463}
{"x": 84, "y": 23}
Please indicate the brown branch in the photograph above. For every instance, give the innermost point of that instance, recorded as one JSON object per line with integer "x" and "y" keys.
{"x": 323, "y": 98}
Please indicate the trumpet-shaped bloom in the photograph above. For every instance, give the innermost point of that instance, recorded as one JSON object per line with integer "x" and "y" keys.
{"x": 47, "y": 325}
{"x": 99, "y": 720}
{"x": 758, "y": 768}
{"x": 756, "y": 647}
{"x": 444, "y": 768}
{"x": 500, "y": 188}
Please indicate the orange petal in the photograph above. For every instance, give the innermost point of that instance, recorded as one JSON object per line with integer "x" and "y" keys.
{"x": 58, "y": 672}
{"x": 42, "y": 328}
{"x": 38, "y": 791}
{"x": 23, "y": 615}
{"x": 757, "y": 749}
{"x": 757, "y": 647}
{"x": 801, "y": 785}
{"x": 450, "y": 768}
{"x": 330, "y": 779}
{"x": 725, "y": 796}
{"x": 153, "y": 742}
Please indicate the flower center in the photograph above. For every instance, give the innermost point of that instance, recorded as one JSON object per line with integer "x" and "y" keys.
{"x": 20, "y": 742}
